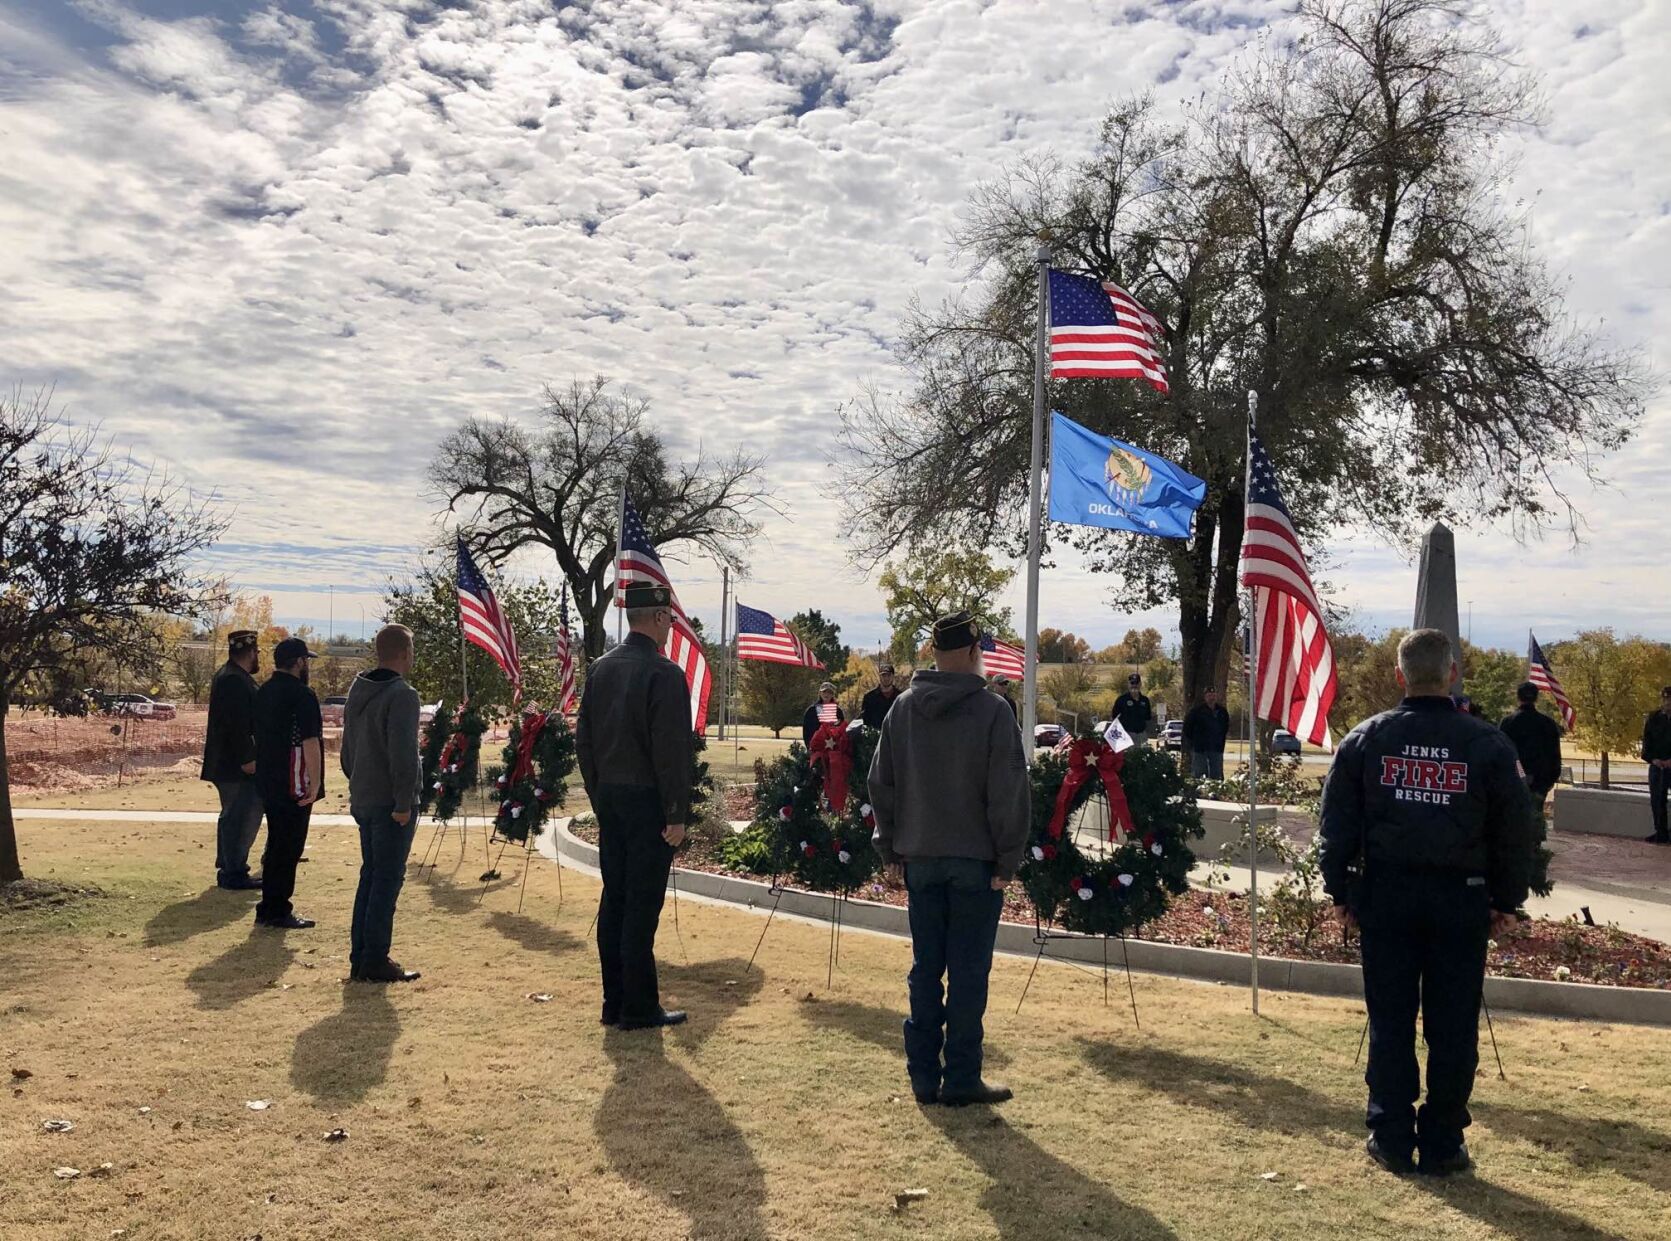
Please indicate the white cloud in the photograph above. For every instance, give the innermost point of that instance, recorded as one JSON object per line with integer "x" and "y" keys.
{"x": 289, "y": 249}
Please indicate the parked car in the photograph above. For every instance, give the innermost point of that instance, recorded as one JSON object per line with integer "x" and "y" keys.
{"x": 140, "y": 706}
{"x": 1172, "y": 736}
{"x": 1284, "y": 742}
{"x": 330, "y": 711}
{"x": 1048, "y": 736}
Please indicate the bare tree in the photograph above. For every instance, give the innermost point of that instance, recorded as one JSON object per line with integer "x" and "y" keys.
{"x": 1328, "y": 229}
{"x": 92, "y": 548}
{"x": 558, "y": 486}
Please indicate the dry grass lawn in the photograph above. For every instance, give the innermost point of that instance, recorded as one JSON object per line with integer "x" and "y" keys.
{"x": 780, "y": 1111}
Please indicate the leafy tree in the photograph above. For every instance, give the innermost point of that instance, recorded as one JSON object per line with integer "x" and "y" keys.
{"x": 93, "y": 547}
{"x": 930, "y": 583}
{"x": 824, "y": 637}
{"x": 1072, "y": 688}
{"x": 1058, "y": 646}
{"x": 1329, "y": 227}
{"x": 558, "y": 486}
{"x": 1490, "y": 677}
{"x": 1613, "y": 684}
{"x": 776, "y": 695}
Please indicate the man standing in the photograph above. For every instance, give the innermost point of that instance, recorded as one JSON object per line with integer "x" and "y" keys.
{"x": 229, "y": 760}
{"x": 953, "y": 808}
{"x": 1427, "y": 846}
{"x": 1001, "y": 687}
{"x": 636, "y": 752}
{"x": 1656, "y": 752}
{"x": 1206, "y": 727}
{"x": 1537, "y": 740}
{"x": 878, "y": 701}
{"x": 825, "y": 711}
{"x": 380, "y": 759}
{"x": 290, "y": 772}
{"x": 1134, "y": 710}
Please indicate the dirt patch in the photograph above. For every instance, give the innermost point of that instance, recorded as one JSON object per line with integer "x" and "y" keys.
{"x": 27, "y": 895}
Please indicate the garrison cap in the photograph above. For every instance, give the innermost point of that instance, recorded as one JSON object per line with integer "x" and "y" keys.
{"x": 647, "y": 595}
{"x": 954, "y": 632}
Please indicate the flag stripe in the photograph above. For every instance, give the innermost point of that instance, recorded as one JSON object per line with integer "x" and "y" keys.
{"x": 1542, "y": 674}
{"x": 1099, "y": 331}
{"x": 636, "y": 561}
{"x": 1002, "y": 659}
{"x": 765, "y": 639}
{"x": 482, "y": 621}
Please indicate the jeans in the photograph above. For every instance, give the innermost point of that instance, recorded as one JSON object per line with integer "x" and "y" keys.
{"x": 634, "y": 860}
{"x": 954, "y": 924}
{"x": 1424, "y": 945}
{"x": 384, "y": 848}
{"x": 235, "y": 830}
{"x": 1659, "y": 781}
{"x": 287, "y": 836}
{"x": 1206, "y": 764}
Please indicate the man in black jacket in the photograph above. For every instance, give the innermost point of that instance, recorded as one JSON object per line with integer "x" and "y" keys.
{"x": 636, "y": 752}
{"x": 1537, "y": 740}
{"x": 1206, "y": 728}
{"x": 229, "y": 760}
{"x": 1134, "y": 710}
{"x": 1656, "y": 752}
{"x": 1427, "y": 847}
{"x": 878, "y": 701}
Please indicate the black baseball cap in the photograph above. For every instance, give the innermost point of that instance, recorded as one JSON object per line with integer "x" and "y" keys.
{"x": 290, "y": 650}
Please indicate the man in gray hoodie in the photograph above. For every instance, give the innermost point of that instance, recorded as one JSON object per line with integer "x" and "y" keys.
{"x": 380, "y": 759}
{"x": 953, "y": 807}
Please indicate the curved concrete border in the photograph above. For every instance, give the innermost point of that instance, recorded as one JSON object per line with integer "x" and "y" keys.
{"x": 1633, "y": 1005}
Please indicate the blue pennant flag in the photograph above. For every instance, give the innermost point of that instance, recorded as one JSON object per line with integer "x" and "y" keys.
{"x": 1098, "y": 481}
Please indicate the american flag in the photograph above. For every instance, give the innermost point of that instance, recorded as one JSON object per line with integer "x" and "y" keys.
{"x": 1099, "y": 331}
{"x": 565, "y": 658}
{"x": 637, "y": 561}
{"x": 763, "y": 637}
{"x": 1002, "y": 659}
{"x": 1543, "y": 676}
{"x": 484, "y": 624}
{"x": 1295, "y": 662}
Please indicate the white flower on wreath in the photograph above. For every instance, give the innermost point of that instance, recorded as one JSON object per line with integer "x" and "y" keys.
{"x": 844, "y": 857}
{"x": 1085, "y": 893}
{"x": 1156, "y": 849}
{"x": 1127, "y": 880}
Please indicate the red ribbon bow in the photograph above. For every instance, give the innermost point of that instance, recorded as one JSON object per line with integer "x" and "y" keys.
{"x": 832, "y": 756}
{"x": 532, "y": 725}
{"x": 1084, "y": 757}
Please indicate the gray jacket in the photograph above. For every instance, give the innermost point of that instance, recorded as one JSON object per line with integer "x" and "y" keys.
{"x": 380, "y": 741}
{"x": 949, "y": 778}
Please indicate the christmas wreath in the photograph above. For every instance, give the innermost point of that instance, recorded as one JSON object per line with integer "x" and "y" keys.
{"x": 1147, "y": 861}
{"x": 532, "y": 779}
{"x": 814, "y": 809}
{"x": 451, "y": 755}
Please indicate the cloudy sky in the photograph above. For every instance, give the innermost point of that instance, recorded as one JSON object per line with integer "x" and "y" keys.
{"x": 284, "y": 245}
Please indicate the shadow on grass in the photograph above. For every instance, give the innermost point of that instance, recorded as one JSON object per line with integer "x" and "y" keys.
{"x": 340, "y": 1059}
{"x": 209, "y": 910}
{"x": 881, "y": 1027}
{"x": 242, "y": 972}
{"x": 1278, "y": 1104}
{"x": 664, "y": 1132}
{"x": 1590, "y": 1143}
{"x": 532, "y": 934}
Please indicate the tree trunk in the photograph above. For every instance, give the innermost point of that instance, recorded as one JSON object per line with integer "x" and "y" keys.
{"x": 1209, "y": 601}
{"x": 11, "y": 870}
{"x": 1604, "y": 769}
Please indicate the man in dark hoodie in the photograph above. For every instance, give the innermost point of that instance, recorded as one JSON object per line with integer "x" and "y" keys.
{"x": 229, "y": 760}
{"x": 380, "y": 759}
{"x": 953, "y": 809}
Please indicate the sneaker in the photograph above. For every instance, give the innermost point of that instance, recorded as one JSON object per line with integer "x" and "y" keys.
{"x": 1397, "y": 1162}
{"x": 983, "y": 1092}
{"x": 290, "y": 922}
{"x": 667, "y": 1017}
{"x": 1449, "y": 1165}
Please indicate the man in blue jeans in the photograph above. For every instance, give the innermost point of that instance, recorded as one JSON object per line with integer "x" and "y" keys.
{"x": 380, "y": 759}
{"x": 229, "y": 760}
{"x": 953, "y": 809}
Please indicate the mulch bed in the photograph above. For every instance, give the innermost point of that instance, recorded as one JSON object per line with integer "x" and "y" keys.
{"x": 1218, "y": 919}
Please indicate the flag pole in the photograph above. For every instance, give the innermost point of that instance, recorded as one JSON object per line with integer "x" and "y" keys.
{"x": 620, "y": 530}
{"x": 1035, "y": 506}
{"x": 1252, "y": 725}
{"x": 724, "y": 644}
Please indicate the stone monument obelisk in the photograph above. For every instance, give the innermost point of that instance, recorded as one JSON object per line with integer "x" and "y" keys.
{"x": 1436, "y": 591}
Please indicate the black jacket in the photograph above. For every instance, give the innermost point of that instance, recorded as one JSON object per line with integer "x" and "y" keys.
{"x": 1206, "y": 728}
{"x": 1656, "y": 737}
{"x": 876, "y": 706}
{"x": 810, "y": 721}
{"x": 634, "y": 725}
{"x": 1537, "y": 740}
{"x": 1134, "y": 711}
{"x": 1425, "y": 788}
{"x": 229, "y": 741}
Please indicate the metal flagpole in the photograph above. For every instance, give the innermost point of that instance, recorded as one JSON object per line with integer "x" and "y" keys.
{"x": 620, "y": 529}
{"x": 1035, "y": 506}
{"x": 1252, "y": 725}
{"x": 724, "y": 644}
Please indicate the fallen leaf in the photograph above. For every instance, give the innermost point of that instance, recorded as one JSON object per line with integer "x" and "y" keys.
{"x": 58, "y": 1126}
{"x": 21, "y": 1075}
{"x": 539, "y": 997}
{"x": 66, "y": 1174}
{"x": 144, "y": 1111}
{"x": 259, "y": 1105}
{"x": 906, "y": 1197}
{"x": 104, "y": 1169}
{"x": 178, "y": 1125}
{"x": 337, "y": 1135}
{"x": 413, "y": 1101}
{"x": 1300, "y": 1188}
{"x": 1269, "y": 1176}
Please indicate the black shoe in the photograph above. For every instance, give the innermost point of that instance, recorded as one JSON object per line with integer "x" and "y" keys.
{"x": 248, "y": 883}
{"x": 609, "y": 1018}
{"x": 667, "y": 1017}
{"x": 1657, "y": 839}
{"x": 1449, "y": 1165}
{"x": 927, "y": 1098}
{"x": 389, "y": 971}
{"x": 1396, "y": 1162}
{"x": 984, "y": 1092}
{"x": 290, "y": 922}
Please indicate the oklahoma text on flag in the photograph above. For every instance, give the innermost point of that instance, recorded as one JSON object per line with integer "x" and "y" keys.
{"x": 1098, "y": 481}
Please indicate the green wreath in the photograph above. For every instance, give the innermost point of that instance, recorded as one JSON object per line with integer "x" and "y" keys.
{"x": 817, "y": 849}
{"x": 532, "y": 778}
{"x": 1132, "y": 883}
{"x": 451, "y": 757}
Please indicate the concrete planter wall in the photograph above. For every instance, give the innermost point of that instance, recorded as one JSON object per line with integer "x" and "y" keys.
{"x": 1546, "y": 999}
{"x": 1222, "y": 821}
{"x": 1603, "y": 812}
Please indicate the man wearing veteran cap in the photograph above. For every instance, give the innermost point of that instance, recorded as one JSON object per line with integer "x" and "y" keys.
{"x": 1134, "y": 710}
{"x": 878, "y": 701}
{"x": 953, "y": 809}
{"x": 636, "y": 751}
{"x": 229, "y": 760}
{"x": 290, "y": 772}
